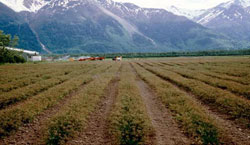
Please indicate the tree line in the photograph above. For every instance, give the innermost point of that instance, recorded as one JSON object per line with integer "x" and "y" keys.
{"x": 238, "y": 52}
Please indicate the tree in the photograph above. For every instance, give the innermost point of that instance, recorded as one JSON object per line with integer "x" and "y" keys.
{"x": 8, "y": 56}
{"x": 14, "y": 41}
{"x": 4, "y": 39}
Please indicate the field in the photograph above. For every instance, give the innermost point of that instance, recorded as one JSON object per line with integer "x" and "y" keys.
{"x": 172, "y": 101}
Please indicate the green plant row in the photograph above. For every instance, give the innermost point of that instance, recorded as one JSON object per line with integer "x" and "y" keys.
{"x": 72, "y": 117}
{"x": 17, "y": 72}
{"x": 210, "y": 73}
{"x": 233, "y": 87}
{"x": 32, "y": 78}
{"x": 216, "y": 70}
{"x": 34, "y": 89}
{"x": 12, "y": 118}
{"x": 129, "y": 123}
{"x": 189, "y": 115}
{"x": 230, "y": 68}
{"x": 236, "y": 107}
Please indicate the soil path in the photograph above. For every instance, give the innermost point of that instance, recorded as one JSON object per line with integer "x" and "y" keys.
{"x": 167, "y": 131}
{"x": 31, "y": 133}
{"x": 235, "y": 134}
{"x": 96, "y": 132}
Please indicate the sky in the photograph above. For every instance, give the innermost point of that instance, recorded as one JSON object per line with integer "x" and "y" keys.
{"x": 187, "y": 4}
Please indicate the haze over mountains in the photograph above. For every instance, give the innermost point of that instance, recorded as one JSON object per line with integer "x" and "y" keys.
{"x": 97, "y": 26}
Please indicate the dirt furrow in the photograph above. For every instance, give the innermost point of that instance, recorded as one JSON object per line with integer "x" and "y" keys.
{"x": 167, "y": 131}
{"x": 31, "y": 133}
{"x": 234, "y": 132}
{"x": 96, "y": 132}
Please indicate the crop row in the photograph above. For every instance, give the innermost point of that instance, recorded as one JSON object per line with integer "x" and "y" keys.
{"x": 234, "y": 87}
{"x": 14, "y": 117}
{"x": 219, "y": 75}
{"x": 9, "y": 72}
{"x": 129, "y": 123}
{"x": 37, "y": 74}
{"x": 28, "y": 80}
{"x": 34, "y": 89}
{"x": 189, "y": 114}
{"x": 227, "y": 103}
{"x": 214, "y": 73}
{"x": 232, "y": 69}
{"x": 72, "y": 117}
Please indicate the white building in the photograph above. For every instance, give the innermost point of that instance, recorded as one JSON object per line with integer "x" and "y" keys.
{"x": 36, "y": 58}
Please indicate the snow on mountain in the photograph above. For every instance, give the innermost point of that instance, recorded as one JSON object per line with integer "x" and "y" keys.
{"x": 243, "y": 3}
{"x": 209, "y": 16}
{"x": 231, "y": 18}
{"x": 16, "y": 5}
{"x": 24, "y": 5}
{"x": 231, "y": 10}
{"x": 185, "y": 12}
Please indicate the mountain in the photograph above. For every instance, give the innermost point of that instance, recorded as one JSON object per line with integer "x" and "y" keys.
{"x": 231, "y": 18}
{"x": 169, "y": 31}
{"x": 12, "y": 23}
{"x": 85, "y": 26}
{"x": 96, "y": 26}
{"x": 191, "y": 14}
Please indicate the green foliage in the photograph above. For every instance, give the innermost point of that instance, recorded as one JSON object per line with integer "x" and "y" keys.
{"x": 4, "y": 39}
{"x": 61, "y": 129}
{"x": 189, "y": 114}
{"x": 8, "y": 56}
{"x": 130, "y": 124}
{"x": 132, "y": 127}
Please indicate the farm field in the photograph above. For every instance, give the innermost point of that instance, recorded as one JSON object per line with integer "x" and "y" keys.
{"x": 163, "y": 101}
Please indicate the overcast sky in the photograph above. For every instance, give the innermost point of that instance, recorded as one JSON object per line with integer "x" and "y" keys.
{"x": 188, "y": 4}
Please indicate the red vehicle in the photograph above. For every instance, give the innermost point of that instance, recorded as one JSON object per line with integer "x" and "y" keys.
{"x": 91, "y": 58}
{"x": 83, "y": 59}
{"x": 100, "y": 58}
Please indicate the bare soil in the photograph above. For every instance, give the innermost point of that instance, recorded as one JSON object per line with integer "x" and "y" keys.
{"x": 166, "y": 129}
{"x": 96, "y": 131}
